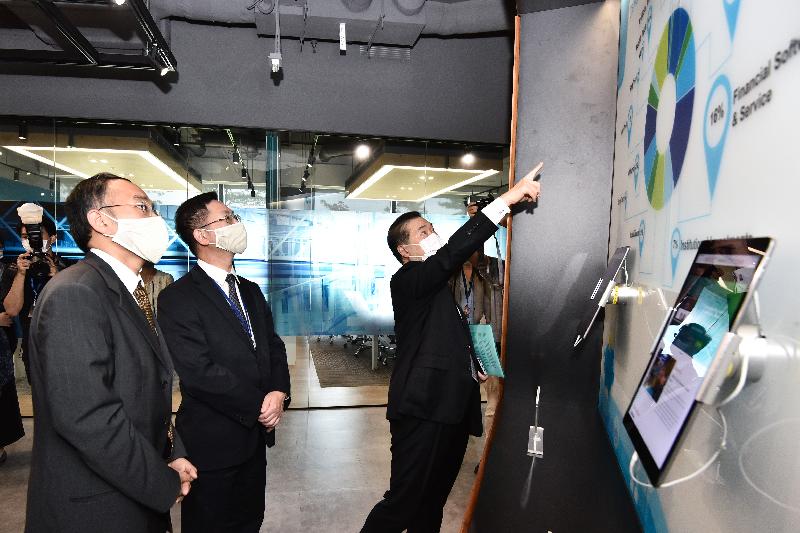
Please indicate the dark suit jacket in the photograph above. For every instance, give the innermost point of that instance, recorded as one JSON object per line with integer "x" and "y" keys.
{"x": 432, "y": 379}
{"x": 223, "y": 380}
{"x": 102, "y": 395}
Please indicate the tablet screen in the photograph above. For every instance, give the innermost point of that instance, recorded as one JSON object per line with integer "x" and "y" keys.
{"x": 707, "y": 307}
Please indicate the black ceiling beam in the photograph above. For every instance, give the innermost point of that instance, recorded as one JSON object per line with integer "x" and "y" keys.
{"x": 68, "y": 30}
{"x": 532, "y": 6}
{"x": 153, "y": 34}
{"x": 57, "y": 57}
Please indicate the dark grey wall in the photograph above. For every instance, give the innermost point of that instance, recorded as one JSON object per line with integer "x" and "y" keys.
{"x": 456, "y": 88}
{"x": 568, "y": 63}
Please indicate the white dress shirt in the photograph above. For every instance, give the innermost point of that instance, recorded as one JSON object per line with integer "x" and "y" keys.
{"x": 496, "y": 210}
{"x": 128, "y": 277}
{"x": 218, "y": 275}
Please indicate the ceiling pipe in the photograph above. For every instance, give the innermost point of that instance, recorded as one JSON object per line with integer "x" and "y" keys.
{"x": 441, "y": 18}
{"x": 469, "y": 16}
{"x": 409, "y": 8}
{"x": 357, "y": 6}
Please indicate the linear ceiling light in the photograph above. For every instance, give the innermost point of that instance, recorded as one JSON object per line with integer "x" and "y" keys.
{"x": 151, "y": 158}
{"x": 383, "y": 171}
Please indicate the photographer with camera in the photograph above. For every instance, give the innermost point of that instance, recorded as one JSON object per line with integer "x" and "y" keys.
{"x": 33, "y": 269}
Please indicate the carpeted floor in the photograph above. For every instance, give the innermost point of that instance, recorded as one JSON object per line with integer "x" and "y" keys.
{"x": 337, "y": 367}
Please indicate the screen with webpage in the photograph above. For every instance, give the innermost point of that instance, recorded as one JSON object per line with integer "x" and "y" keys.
{"x": 705, "y": 310}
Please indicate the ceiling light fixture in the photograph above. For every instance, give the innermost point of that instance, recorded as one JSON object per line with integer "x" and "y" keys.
{"x": 70, "y": 140}
{"x": 236, "y": 155}
{"x": 244, "y": 172}
{"x": 468, "y": 159}
{"x": 16, "y": 174}
{"x": 23, "y": 131}
{"x": 119, "y": 2}
{"x": 445, "y": 185}
{"x": 362, "y": 152}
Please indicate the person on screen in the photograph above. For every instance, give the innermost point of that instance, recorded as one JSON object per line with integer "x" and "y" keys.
{"x": 434, "y": 398}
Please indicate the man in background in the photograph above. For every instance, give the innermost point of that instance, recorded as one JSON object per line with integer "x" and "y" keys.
{"x": 32, "y": 270}
{"x": 105, "y": 455}
{"x": 233, "y": 372}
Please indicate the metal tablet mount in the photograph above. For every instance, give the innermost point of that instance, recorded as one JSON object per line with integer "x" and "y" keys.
{"x": 744, "y": 353}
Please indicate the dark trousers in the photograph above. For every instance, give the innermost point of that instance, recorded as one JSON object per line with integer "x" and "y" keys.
{"x": 228, "y": 500}
{"x": 426, "y": 458}
{"x": 11, "y": 429}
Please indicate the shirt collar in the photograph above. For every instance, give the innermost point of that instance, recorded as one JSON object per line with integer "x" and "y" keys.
{"x": 127, "y": 276}
{"x": 216, "y": 273}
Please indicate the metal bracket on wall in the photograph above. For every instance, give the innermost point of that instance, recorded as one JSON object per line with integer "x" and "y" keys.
{"x": 536, "y": 433}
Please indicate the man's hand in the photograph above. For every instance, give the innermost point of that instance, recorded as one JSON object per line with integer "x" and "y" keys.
{"x": 472, "y": 210}
{"x": 5, "y": 320}
{"x": 23, "y": 263}
{"x": 482, "y": 377}
{"x": 272, "y": 409}
{"x": 524, "y": 189}
{"x": 187, "y": 472}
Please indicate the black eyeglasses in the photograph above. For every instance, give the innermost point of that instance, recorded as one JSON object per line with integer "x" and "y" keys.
{"x": 233, "y": 218}
{"x": 148, "y": 209}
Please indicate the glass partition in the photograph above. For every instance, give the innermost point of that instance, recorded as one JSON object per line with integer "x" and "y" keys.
{"x": 316, "y": 218}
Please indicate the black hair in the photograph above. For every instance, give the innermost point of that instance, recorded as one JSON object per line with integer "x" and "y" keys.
{"x": 87, "y": 195}
{"x": 189, "y": 216}
{"x": 398, "y": 233}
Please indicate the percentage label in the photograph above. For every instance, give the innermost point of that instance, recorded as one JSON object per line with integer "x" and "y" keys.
{"x": 717, "y": 114}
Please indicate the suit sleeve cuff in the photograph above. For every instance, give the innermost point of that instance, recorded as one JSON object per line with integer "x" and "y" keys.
{"x": 496, "y": 210}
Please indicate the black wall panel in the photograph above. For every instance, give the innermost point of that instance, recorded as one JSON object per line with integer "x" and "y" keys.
{"x": 568, "y": 61}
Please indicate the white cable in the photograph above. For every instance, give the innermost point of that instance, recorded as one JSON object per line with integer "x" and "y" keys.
{"x": 723, "y": 443}
{"x": 750, "y": 482}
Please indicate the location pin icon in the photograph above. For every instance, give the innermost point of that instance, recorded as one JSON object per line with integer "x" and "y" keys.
{"x": 716, "y": 123}
{"x": 636, "y": 172}
{"x": 641, "y": 237}
{"x": 675, "y": 249}
{"x": 732, "y": 14}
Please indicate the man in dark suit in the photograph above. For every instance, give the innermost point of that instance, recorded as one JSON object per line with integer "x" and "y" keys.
{"x": 434, "y": 397}
{"x": 232, "y": 369}
{"x": 105, "y": 456}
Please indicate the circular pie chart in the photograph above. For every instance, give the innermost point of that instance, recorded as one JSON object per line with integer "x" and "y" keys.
{"x": 669, "y": 109}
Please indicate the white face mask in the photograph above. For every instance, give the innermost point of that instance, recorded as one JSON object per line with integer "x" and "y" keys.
{"x": 146, "y": 237}
{"x": 231, "y": 238}
{"x": 27, "y": 246}
{"x": 430, "y": 245}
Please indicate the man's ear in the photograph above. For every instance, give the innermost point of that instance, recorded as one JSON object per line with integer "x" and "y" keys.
{"x": 401, "y": 249}
{"x": 98, "y": 222}
{"x": 201, "y": 237}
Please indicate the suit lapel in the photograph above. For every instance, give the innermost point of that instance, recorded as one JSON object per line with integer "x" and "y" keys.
{"x": 209, "y": 288}
{"x": 129, "y": 306}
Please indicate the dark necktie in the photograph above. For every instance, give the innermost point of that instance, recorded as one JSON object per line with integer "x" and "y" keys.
{"x": 140, "y": 295}
{"x": 238, "y": 310}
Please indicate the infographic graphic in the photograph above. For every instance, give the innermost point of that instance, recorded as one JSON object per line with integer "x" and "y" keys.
{"x": 669, "y": 109}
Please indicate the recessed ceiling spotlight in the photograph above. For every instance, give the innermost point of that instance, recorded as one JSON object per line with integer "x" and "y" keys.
{"x": 411, "y": 188}
{"x": 119, "y": 2}
{"x": 104, "y": 161}
{"x": 235, "y": 156}
{"x": 402, "y": 188}
{"x": 23, "y": 132}
{"x": 430, "y": 178}
{"x": 422, "y": 178}
{"x": 93, "y": 161}
{"x": 468, "y": 158}
{"x": 362, "y": 151}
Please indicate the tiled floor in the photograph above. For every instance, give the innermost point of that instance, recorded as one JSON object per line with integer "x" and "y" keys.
{"x": 329, "y": 467}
